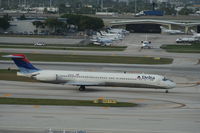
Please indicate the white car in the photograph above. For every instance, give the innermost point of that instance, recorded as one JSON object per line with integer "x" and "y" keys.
{"x": 39, "y": 44}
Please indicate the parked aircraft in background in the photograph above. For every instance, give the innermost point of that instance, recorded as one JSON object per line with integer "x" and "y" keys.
{"x": 164, "y": 30}
{"x": 117, "y": 31}
{"x": 195, "y": 34}
{"x": 112, "y": 36}
{"x": 187, "y": 40}
{"x": 84, "y": 78}
{"x": 106, "y": 38}
{"x": 101, "y": 41}
{"x": 194, "y": 38}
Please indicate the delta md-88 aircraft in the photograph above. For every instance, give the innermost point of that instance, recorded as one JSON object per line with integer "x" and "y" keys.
{"x": 84, "y": 78}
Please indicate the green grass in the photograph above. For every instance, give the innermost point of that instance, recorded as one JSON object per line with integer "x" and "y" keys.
{"x": 193, "y": 48}
{"x": 94, "y": 59}
{"x": 59, "y": 102}
{"x": 12, "y": 76}
{"x": 68, "y": 48}
{"x": 61, "y": 45}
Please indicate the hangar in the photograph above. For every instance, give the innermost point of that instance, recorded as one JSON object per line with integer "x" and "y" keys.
{"x": 198, "y": 29}
{"x": 153, "y": 26}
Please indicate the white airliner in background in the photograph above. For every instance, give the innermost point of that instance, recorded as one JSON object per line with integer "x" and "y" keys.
{"x": 84, "y": 78}
{"x": 195, "y": 34}
{"x": 164, "y": 30}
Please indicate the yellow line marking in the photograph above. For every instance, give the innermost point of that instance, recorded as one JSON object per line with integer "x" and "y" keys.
{"x": 36, "y": 106}
{"x": 105, "y": 107}
{"x": 7, "y": 95}
{"x": 156, "y": 58}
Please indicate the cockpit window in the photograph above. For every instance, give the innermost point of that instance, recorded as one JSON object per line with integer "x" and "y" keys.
{"x": 165, "y": 79}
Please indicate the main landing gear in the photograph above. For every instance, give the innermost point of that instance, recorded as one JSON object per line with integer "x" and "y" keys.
{"x": 166, "y": 91}
{"x": 82, "y": 88}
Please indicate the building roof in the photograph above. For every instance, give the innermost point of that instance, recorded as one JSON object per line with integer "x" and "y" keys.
{"x": 164, "y": 22}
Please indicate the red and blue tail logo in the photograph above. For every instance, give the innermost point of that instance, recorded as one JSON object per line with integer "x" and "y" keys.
{"x": 22, "y": 63}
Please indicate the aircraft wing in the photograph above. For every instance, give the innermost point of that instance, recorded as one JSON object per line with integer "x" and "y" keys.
{"x": 84, "y": 83}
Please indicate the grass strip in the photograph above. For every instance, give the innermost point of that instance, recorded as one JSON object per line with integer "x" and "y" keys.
{"x": 193, "y": 48}
{"x": 59, "y": 102}
{"x": 67, "y": 48}
{"x": 61, "y": 45}
{"x": 94, "y": 59}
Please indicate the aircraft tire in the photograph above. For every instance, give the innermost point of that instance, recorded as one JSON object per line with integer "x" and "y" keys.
{"x": 82, "y": 88}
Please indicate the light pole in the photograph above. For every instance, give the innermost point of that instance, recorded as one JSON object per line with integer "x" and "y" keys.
{"x": 101, "y": 5}
{"x": 8, "y": 3}
{"x": 50, "y": 3}
{"x": 135, "y": 6}
{"x": 25, "y": 3}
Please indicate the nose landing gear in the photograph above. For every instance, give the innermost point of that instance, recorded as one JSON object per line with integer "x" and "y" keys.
{"x": 82, "y": 88}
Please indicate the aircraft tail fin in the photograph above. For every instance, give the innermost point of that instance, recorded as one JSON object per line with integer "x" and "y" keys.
{"x": 22, "y": 63}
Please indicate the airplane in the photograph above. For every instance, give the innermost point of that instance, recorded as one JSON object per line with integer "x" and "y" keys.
{"x": 146, "y": 44}
{"x": 103, "y": 41}
{"x": 195, "y": 34}
{"x": 117, "y": 31}
{"x": 192, "y": 39}
{"x": 106, "y": 39}
{"x": 187, "y": 40}
{"x": 112, "y": 36}
{"x": 84, "y": 78}
{"x": 164, "y": 30}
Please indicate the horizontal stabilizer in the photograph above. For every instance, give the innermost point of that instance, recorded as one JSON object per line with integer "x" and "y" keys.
{"x": 13, "y": 56}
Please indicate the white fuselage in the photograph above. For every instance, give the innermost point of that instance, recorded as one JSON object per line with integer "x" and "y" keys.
{"x": 103, "y": 79}
{"x": 173, "y": 31}
{"x": 164, "y": 30}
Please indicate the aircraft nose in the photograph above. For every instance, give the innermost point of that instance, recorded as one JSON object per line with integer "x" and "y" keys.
{"x": 171, "y": 84}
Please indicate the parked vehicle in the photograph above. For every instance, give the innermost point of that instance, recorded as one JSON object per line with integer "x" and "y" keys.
{"x": 40, "y": 44}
